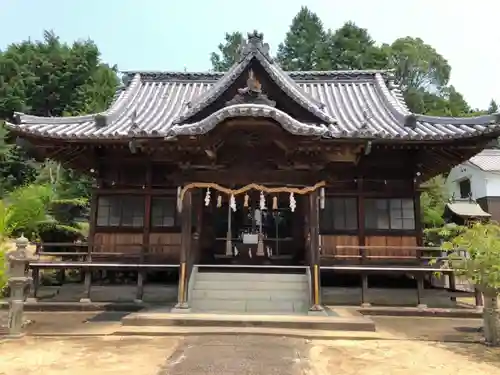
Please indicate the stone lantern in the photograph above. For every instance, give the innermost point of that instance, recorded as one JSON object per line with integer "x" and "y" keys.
{"x": 18, "y": 261}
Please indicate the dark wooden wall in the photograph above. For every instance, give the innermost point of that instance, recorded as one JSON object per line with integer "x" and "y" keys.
{"x": 491, "y": 205}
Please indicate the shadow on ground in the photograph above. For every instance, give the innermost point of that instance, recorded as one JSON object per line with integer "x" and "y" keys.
{"x": 65, "y": 322}
{"x": 474, "y": 352}
{"x": 461, "y": 336}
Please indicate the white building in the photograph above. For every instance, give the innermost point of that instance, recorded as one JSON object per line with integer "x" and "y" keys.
{"x": 478, "y": 178}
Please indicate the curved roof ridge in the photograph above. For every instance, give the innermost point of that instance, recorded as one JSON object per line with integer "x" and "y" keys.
{"x": 401, "y": 111}
{"x": 255, "y": 48}
{"x": 393, "y": 105}
{"x": 109, "y": 115}
{"x": 291, "y": 87}
{"x": 250, "y": 110}
{"x": 122, "y": 102}
{"x": 208, "y": 97}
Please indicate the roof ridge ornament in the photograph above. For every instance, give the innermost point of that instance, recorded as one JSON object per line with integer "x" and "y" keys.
{"x": 255, "y": 43}
{"x": 252, "y": 93}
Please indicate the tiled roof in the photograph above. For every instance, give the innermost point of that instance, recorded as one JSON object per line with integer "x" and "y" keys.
{"x": 487, "y": 160}
{"x": 345, "y": 104}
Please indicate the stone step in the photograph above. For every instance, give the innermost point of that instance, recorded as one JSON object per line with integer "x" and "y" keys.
{"x": 249, "y": 306}
{"x": 330, "y": 323}
{"x": 154, "y": 331}
{"x": 237, "y": 276}
{"x": 271, "y": 294}
{"x": 249, "y": 285}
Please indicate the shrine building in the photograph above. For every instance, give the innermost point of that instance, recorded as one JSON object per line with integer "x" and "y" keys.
{"x": 257, "y": 168}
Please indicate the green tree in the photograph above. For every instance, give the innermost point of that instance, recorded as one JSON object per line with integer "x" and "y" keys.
{"x": 433, "y": 201}
{"x": 493, "y": 108}
{"x": 417, "y": 64}
{"x": 48, "y": 78}
{"x": 305, "y": 45}
{"x": 20, "y": 212}
{"x": 481, "y": 265}
{"x": 352, "y": 47}
{"x": 228, "y": 52}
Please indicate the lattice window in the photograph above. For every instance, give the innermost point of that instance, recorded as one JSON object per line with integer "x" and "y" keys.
{"x": 339, "y": 214}
{"x": 120, "y": 211}
{"x": 394, "y": 214}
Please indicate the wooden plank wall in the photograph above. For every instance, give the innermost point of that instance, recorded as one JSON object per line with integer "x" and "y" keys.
{"x": 165, "y": 246}
{"x": 392, "y": 241}
{"x": 330, "y": 242}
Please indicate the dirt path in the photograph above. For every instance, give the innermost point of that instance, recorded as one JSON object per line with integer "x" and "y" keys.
{"x": 238, "y": 355}
{"x": 242, "y": 355}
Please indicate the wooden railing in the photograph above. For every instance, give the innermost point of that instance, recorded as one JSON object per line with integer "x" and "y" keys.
{"x": 89, "y": 261}
{"x": 363, "y": 253}
{"x": 418, "y": 266}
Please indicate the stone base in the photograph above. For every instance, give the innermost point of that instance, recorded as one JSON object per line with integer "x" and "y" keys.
{"x": 85, "y": 300}
{"x": 366, "y": 304}
{"x": 317, "y": 313}
{"x": 138, "y": 301}
{"x": 13, "y": 336}
{"x": 31, "y": 300}
{"x": 181, "y": 308}
{"x": 317, "y": 310}
{"x": 421, "y": 306}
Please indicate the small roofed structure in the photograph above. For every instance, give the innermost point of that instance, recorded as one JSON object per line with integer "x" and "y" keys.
{"x": 462, "y": 211}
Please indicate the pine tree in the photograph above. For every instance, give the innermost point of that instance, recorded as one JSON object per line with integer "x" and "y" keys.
{"x": 305, "y": 45}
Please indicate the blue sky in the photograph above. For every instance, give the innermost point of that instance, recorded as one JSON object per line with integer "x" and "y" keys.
{"x": 171, "y": 35}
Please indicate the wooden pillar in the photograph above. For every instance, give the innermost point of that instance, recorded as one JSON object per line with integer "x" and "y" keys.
{"x": 419, "y": 233}
{"x": 364, "y": 290}
{"x": 196, "y": 248}
{"x": 420, "y": 290}
{"x": 361, "y": 218}
{"x": 186, "y": 225}
{"x": 314, "y": 256}
{"x": 91, "y": 243}
{"x": 478, "y": 297}
{"x": 141, "y": 274}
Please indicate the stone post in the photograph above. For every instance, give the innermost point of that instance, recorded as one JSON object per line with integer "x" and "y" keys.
{"x": 18, "y": 280}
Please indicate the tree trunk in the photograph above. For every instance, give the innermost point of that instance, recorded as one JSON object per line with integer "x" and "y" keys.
{"x": 491, "y": 317}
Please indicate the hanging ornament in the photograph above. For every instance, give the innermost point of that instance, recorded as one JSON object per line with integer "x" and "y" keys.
{"x": 262, "y": 203}
{"x": 232, "y": 203}
{"x": 179, "y": 201}
{"x": 293, "y": 203}
{"x": 275, "y": 203}
{"x": 245, "y": 203}
{"x": 219, "y": 201}
{"x": 322, "y": 198}
{"x": 207, "y": 197}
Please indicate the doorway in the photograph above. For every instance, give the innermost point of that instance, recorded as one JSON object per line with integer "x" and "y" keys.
{"x": 232, "y": 237}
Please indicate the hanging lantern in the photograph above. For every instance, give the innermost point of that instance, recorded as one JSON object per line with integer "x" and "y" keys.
{"x": 219, "y": 201}
{"x": 207, "y": 197}
{"x": 262, "y": 203}
{"x": 275, "y": 203}
{"x": 232, "y": 203}
{"x": 293, "y": 203}
{"x": 245, "y": 203}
